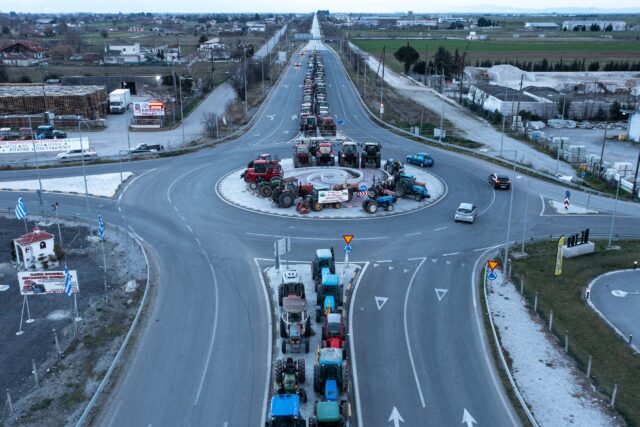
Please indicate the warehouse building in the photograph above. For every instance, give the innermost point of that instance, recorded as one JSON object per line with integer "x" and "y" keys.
{"x": 615, "y": 25}
{"x": 90, "y": 102}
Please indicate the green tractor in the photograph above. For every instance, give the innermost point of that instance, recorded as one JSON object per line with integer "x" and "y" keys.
{"x": 289, "y": 374}
{"x": 371, "y": 156}
{"x": 329, "y": 413}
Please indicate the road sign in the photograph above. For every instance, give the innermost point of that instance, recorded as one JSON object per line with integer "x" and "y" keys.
{"x": 348, "y": 248}
{"x": 583, "y": 174}
{"x": 362, "y": 193}
{"x": 492, "y": 275}
{"x": 492, "y": 264}
{"x": 567, "y": 194}
{"x": 363, "y": 187}
{"x": 347, "y": 238}
{"x": 566, "y": 203}
{"x": 340, "y": 122}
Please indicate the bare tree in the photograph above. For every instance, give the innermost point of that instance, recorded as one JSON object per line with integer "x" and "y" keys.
{"x": 210, "y": 124}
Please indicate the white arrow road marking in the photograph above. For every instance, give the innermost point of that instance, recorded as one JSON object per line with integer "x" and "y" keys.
{"x": 380, "y": 301}
{"x": 468, "y": 419}
{"x": 390, "y": 268}
{"x": 406, "y": 271}
{"x": 434, "y": 259}
{"x": 294, "y": 116}
{"x": 270, "y": 116}
{"x": 375, "y": 265}
{"x": 395, "y": 417}
{"x": 441, "y": 293}
{"x": 448, "y": 262}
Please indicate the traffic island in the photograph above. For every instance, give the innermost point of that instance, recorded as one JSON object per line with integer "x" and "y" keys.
{"x": 235, "y": 191}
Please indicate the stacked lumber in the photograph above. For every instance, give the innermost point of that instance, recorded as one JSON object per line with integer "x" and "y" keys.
{"x": 91, "y": 102}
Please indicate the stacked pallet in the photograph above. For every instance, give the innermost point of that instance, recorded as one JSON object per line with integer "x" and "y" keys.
{"x": 91, "y": 102}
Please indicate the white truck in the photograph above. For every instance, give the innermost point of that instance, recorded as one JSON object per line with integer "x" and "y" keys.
{"x": 119, "y": 100}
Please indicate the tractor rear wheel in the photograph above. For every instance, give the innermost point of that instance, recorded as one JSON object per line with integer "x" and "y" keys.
{"x": 284, "y": 347}
{"x": 418, "y": 197}
{"x": 337, "y": 205}
{"x": 253, "y": 186}
{"x": 280, "y": 295}
{"x": 285, "y": 200}
{"x": 283, "y": 329}
{"x": 317, "y": 206}
{"x": 307, "y": 327}
{"x": 278, "y": 367}
{"x": 302, "y": 376}
{"x": 389, "y": 207}
{"x": 317, "y": 384}
{"x": 400, "y": 192}
{"x": 372, "y": 207}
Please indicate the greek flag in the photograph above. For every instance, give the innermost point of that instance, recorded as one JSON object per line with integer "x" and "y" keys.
{"x": 67, "y": 281}
{"x": 100, "y": 226}
{"x": 21, "y": 210}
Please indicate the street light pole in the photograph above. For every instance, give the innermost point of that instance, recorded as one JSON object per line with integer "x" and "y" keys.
{"x": 615, "y": 209}
{"x": 244, "y": 54}
{"x": 635, "y": 178}
{"x": 181, "y": 113}
{"x": 35, "y": 155}
{"x": 44, "y": 92}
{"x": 506, "y": 242}
{"x": 84, "y": 170}
{"x": 526, "y": 210}
{"x": 604, "y": 139}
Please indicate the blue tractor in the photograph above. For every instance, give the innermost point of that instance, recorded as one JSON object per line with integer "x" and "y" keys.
{"x": 407, "y": 186}
{"x": 285, "y": 412}
{"x": 329, "y": 295}
{"x": 386, "y": 202}
{"x": 329, "y": 374}
{"x": 323, "y": 263}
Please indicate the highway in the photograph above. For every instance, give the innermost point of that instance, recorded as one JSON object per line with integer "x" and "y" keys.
{"x": 202, "y": 356}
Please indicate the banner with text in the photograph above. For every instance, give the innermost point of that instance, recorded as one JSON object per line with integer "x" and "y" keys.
{"x": 42, "y": 145}
{"x": 146, "y": 109}
{"x": 46, "y": 282}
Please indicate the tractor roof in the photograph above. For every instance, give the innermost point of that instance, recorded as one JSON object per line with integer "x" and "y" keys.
{"x": 372, "y": 143}
{"x": 334, "y": 318}
{"x": 330, "y": 280}
{"x": 330, "y": 356}
{"x": 291, "y": 276}
{"x": 294, "y": 304}
{"x": 324, "y": 254}
{"x": 328, "y": 411}
{"x": 283, "y": 405}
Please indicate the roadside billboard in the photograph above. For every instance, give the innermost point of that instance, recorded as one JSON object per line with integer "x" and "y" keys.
{"x": 146, "y": 109}
{"x": 42, "y": 145}
{"x": 333, "y": 196}
{"x": 45, "y": 282}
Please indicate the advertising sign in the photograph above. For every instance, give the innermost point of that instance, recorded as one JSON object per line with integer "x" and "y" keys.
{"x": 155, "y": 109}
{"x": 559, "y": 256}
{"x": 46, "y": 282}
{"x": 42, "y": 145}
{"x": 326, "y": 196}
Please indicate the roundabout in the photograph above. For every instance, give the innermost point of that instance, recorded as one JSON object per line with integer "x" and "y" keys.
{"x": 233, "y": 190}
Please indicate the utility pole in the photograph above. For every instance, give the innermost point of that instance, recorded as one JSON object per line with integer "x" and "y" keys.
{"x": 244, "y": 54}
{"x": 262, "y": 62}
{"x": 84, "y": 171}
{"x": 604, "y": 139}
{"x": 426, "y": 64}
{"x": 44, "y": 92}
{"x": 635, "y": 178}
{"x": 213, "y": 72}
{"x": 175, "y": 93}
{"x": 382, "y": 83}
{"x": 35, "y": 154}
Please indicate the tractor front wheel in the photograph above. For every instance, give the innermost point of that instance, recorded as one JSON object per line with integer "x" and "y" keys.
{"x": 418, "y": 197}
{"x": 337, "y": 205}
{"x": 286, "y": 200}
{"x": 317, "y": 206}
{"x": 265, "y": 190}
{"x": 253, "y": 186}
{"x": 278, "y": 368}
{"x": 302, "y": 376}
{"x": 284, "y": 347}
{"x": 372, "y": 207}
{"x": 389, "y": 208}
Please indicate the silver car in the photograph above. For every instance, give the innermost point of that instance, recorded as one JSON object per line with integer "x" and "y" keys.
{"x": 466, "y": 212}
{"x": 71, "y": 155}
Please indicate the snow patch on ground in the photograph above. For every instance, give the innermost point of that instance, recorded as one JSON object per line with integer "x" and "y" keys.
{"x": 572, "y": 209}
{"x": 59, "y": 315}
{"x": 104, "y": 185}
{"x": 234, "y": 190}
{"x": 556, "y": 391}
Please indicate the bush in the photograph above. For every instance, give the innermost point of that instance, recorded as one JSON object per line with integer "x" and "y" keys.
{"x": 57, "y": 249}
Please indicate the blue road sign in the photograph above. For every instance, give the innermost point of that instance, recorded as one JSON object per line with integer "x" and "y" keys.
{"x": 492, "y": 275}
{"x": 567, "y": 194}
{"x": 363, "y": 187}
{"x": 583, "y": 174}
{"x": 348, "y": 248}
{"x": 340, "y": 122}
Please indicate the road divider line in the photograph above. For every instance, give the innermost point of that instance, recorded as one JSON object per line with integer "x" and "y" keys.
{"x": 267, "y": 386}
{"x": 542, "y": 201}
{"x": 352, "y": 342}
{"x": 406, "y": 332}
{"x": 451, "y": 254}
{"x": 440, "y": 228}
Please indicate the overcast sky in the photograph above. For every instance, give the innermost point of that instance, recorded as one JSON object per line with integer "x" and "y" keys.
{"x": 194, "y": 6}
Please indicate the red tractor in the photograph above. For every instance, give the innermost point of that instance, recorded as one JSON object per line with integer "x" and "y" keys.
{"x": 301, "y": 155}
{"x": 289, "y": 190}
{"x": 261, "y": 171}
{"x": 328, "y": 126}
{"x": 333, "y": 333}
{"x": 324, "y": 154}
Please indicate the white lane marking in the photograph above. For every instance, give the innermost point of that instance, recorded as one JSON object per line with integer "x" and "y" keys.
{"x": 198, "y": 242}
{"x": 267, "y": 387}
{"x": 353, "y": 350}
{"x": 179, "y": 178}
{"x": 275, "y": 236}
{"x": 183, "y": 218}
{"x": 175, "y": 208}
{"x": 542, "y": 201}
{"x": 213, "y": 332}
{"x": 451, "y": 254}
{"x": 441, "y": 228}
{"x": 131, "y": 182}
{"x": 119, "y": 209}
{"x": 406, "y": 332}
{"x": 115, "y": 414}
{"x": 414, "y": 234}
{"x": 493, "y": 199}
{"x": 384, "y": 260}
{"x": 189, "y": 228}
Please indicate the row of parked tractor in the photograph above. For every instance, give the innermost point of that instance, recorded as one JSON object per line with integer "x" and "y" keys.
{"x": 316, "y": 151}
{"x": 329, "y": 371}
{"x": 314, "y": 112}
{"x": 265, "y": 176}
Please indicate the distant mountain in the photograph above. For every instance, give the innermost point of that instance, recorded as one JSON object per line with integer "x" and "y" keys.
{"x": 490, "y": 8}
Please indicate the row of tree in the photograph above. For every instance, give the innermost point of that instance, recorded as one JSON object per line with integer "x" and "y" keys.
{"x": 442, "y": 61}
{"x": 592, "y": 27}
{"x": 575, "y": 65}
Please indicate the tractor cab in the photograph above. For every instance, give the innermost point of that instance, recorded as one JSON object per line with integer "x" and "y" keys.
{"x": 294, "y": 310}
{"x": 333, "y": 326}
{"x": 291, "y": 286}
{"x": 325, "y": 258}
{"x": 327, "y": 415}
{"x": 329, "y": 295}
{"x": 406, "y": 185}
{"x": 328, "y": 373}
{"x": 371, "y": 155}
{"x": 285, "y": 412}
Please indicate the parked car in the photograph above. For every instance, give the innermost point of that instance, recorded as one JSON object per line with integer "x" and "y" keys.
{"x": 500, "y": 180}
{"x": 297, "y": 65}
{"x": 466, "y": 212}
{"x": 71, "y": 155}
{"x": 147, "y": 148}
{"x": 420, "y": 159}
{"x": 33, "y": 287}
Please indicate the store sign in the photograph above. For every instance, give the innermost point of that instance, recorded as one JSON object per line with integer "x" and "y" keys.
{"x": 142, "y": 109}
{"x": 45, "y": 282}
{"x": 42, "y": 145}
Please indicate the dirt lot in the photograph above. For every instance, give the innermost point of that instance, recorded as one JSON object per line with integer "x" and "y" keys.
{"x": 66, "y": 379}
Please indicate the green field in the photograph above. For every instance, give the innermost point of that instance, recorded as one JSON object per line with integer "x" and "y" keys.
{"x": 505, "y": 50}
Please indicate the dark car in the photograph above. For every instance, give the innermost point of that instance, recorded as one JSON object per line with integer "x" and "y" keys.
{"x": 420, "y": 159}
{"x": 500, "y": 180}
{"x": 147, "y": 148}
{"x": 33, "y": 287}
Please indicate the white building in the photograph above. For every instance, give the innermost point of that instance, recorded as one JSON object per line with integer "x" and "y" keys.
{"x": 34, "y": 250}
{"x": 541, "y": 25}
{"x": 256, "y": 27}
{"x": 417, "y": 23}
{"x": 615, "y": 25}
{"x": 634, "y": 127}
{"x": 474, "y": 36}
{"x": 123, "y": 54}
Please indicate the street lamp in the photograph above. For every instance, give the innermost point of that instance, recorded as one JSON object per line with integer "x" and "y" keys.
{"x": 615, "y": 208}
{"x": 506, "y": 242}
{"x": 244, "y": 54}
{"x": 35, "y": 154}
{"x": 43, "y": 65}
{"x": 84, "y": 170}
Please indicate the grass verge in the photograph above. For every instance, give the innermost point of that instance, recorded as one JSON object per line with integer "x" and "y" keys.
{"x": 614, "y": 362}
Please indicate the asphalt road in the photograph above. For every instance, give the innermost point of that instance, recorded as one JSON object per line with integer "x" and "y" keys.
{"x": 202, "y": 354}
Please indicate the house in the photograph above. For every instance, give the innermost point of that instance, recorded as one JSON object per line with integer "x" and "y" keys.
{"x": 136, "y": 29}
{"x": 123, "y": 54}
{"x": 475, "y": 36}
{"x": 168, "y": 53}
{"x": 256, "y": 27}
{"x": 213, "y": 44}
{"x": 541, "y": 26}
{"x": 432, "y": 23}
{"x": 21, "y": 53}
{"x": 34, "y": 250}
